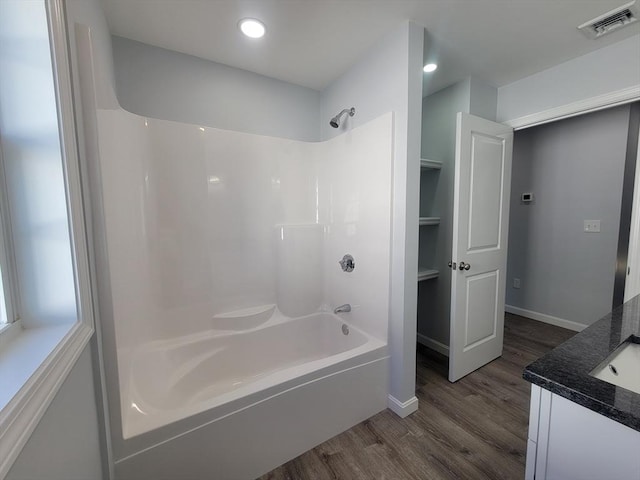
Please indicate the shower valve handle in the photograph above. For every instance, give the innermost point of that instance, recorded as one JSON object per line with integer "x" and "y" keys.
{"x": 347, "y": 263}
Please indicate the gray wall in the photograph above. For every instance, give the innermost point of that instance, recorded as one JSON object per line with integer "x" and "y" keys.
{"x": 389, "y": 78}
{"x": 574, "y": 168}
{"x": 65, "y": 444}
{"x": 160, "y": 83}
{"x": 439, "y": 111}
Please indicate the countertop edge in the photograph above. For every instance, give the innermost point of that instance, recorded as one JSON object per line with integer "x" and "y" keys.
{"x": 583, "y": 400}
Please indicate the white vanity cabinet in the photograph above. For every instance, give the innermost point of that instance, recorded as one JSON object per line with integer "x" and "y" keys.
{"x": 570, "y": 442}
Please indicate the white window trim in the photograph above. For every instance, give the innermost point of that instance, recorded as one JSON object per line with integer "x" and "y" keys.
{"x": 20, "y": 416}
{"x": 7, "y": 261}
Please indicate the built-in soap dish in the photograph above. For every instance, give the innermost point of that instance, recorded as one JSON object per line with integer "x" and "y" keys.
{"x": 243, "y": 319}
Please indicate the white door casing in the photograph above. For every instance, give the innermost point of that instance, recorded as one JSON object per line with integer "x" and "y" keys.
{"x": 480, "y": 232}
{"x": 632, "y": 284}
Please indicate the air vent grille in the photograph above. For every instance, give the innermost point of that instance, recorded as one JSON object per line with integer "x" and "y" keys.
{"x": 610, "y": 21}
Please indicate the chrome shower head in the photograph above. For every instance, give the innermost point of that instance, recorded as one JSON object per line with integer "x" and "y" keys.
{"x": 335, "y": 121}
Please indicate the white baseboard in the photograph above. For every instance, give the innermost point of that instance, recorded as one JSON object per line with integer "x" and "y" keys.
{"x": 541, "y": 317}
{"x": 433, "y": 344}
{"x": 402, "y": 409}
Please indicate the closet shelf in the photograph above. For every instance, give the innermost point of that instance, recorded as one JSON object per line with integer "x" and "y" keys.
{"x": 429, "y": 221}
{"x": 426, "y": 274}
{"x": 431, "y": 164}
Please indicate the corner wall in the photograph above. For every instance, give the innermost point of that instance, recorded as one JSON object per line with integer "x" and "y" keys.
{"x": 389, "y": 78}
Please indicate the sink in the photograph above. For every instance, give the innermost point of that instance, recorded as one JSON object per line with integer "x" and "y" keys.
{"x": 622, "y": 367}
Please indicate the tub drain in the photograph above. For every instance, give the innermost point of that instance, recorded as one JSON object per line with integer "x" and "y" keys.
{"x": 345, "y": 329}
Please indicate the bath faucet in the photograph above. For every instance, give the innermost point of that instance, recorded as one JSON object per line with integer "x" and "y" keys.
{"x": 342, "y": 308}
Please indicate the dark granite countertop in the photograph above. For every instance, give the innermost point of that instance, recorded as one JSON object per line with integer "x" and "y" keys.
{"x": 565, "y": 370}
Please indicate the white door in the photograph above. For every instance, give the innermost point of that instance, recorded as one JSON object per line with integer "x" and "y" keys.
{"x": 480, "y": 229}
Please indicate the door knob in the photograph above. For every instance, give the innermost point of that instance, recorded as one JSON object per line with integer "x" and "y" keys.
{"x": 464, "y": 266}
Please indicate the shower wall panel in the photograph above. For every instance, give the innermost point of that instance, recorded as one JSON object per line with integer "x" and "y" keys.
{"x": 190, "y": 218}
{"x": 355, "y": 177}
{"x": 203, "y": 222}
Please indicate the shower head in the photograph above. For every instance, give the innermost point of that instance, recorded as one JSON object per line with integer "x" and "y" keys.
{"x": 335, "y": 121}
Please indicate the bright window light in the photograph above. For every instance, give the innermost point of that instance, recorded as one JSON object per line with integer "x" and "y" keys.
{"x": 430, "y": 67}
{"x": 252, "y": 28}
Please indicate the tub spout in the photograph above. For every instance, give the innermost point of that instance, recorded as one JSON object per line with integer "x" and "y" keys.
{"x": 342, "y": 308}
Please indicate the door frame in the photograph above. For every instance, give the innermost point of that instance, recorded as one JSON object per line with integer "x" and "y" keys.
{"x": 632, "y": 284}
{"x": 574, "y": 109}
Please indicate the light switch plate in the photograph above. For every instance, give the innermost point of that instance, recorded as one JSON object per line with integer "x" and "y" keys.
{"x": 592, "y": 226}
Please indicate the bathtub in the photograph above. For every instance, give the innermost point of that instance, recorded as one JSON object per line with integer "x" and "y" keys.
{"x": 331, "y": 367}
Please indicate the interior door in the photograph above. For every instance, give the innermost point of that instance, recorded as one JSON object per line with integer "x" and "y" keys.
{"x": 480, "y": 229}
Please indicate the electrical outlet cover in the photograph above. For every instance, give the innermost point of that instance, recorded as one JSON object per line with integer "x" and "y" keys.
{"x": 592, "y": 226}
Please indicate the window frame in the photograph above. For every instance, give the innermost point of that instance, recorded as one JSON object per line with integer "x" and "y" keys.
{"x": 21, "y": 414}
{"x": 7, "y": 258}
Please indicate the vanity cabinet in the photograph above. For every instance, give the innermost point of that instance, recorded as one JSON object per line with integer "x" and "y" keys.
{"x": 570, "y": 442}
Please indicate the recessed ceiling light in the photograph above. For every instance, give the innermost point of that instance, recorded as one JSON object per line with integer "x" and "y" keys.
{"x": 251, "y": 27}
{"x": 430, "y": 67}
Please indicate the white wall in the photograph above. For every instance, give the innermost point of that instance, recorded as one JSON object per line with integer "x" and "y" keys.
{"x": 65, "y": 445}
{"x": 575, "y": 170}
{"x": 389, "y": 78}
{"x": 601, "y": 72}
{"x": 159, "y": 83}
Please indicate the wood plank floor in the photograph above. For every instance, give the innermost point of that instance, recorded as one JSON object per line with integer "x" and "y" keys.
{"x": 475, "y": 428}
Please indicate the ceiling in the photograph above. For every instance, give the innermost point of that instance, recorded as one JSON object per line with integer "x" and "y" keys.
{"x": 312, "y": 42}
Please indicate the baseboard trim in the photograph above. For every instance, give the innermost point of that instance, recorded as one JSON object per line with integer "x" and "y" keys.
{"x": 541, "y": 317}
{"x": 433, "y": 344}
{"x": 402, "y": 409}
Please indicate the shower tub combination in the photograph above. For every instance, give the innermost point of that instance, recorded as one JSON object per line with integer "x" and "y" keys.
{"x": 252, "y": 399}
{"x": 223, "y": 355}
{"x": 177, "y": 378}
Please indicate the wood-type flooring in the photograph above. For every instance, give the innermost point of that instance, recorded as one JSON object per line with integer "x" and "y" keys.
{"x": 475, "y": 428}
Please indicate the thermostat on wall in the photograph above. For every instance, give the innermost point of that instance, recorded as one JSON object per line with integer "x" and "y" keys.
{"x": 527, "y": 197}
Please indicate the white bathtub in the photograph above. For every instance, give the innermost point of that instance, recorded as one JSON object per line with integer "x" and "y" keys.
{"x": 170, "y": 380}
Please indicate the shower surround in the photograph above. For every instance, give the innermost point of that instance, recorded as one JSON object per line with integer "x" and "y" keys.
{"x": 223, "y": 251}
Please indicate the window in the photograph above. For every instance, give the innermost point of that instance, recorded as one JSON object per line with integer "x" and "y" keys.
{"x": 44, "y": 275}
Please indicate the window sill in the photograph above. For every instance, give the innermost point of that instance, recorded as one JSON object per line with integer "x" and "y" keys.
{"x": 33, "y": 366}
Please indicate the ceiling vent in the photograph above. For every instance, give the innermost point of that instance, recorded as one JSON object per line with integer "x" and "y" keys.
{"x": 611, "y": 21}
